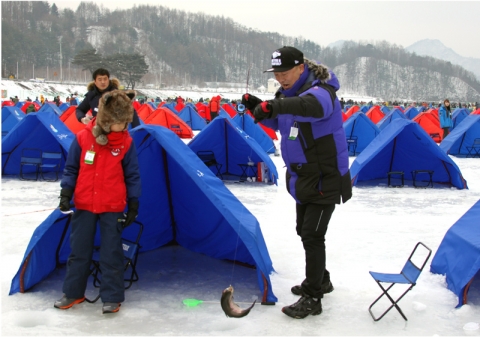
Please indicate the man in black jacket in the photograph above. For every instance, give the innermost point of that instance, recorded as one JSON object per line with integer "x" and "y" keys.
{"x": 101, "y": 84}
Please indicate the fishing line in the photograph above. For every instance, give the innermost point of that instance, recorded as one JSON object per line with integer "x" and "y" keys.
{"x": 193, "y": 302}
{"x": 42, "y": 210}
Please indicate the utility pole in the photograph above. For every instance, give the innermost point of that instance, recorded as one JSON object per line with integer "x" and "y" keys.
{"x": 33, "y": 71}
{"x": 160, "y": 74}
{"x": 61, "y": 57}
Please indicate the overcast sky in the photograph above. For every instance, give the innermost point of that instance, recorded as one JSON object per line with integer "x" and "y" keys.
{"x": 455, "y": 23}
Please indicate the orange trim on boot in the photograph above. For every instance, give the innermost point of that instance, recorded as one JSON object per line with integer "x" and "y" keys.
{"x": 77, "y": 301}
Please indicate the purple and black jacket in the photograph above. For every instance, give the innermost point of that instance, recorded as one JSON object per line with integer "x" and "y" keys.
{"x": 317, "y": 160}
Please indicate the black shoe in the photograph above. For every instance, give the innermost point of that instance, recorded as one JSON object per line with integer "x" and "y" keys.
{"x": 326, "y": 288}
{"x": 305, "y": 306}
{"x": 110, "y": 307}
{"x": 66, "y": 303}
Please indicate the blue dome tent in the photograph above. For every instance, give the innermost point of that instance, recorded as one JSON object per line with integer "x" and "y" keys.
{"x": 11, "y": 115}
{"x": 458, "y": 116}
{"x": 190, "y": 116}
{"x": 411, "y": 112}
{"x": 458, "y": 256}
{"x": 42, "y": 130}
{"x": 462, "y": 136}
{"x": 232, "y": 148}
{"x": 183, "y": 205}
{"x": 51, "y": 107}
{"x": 247, "y": 124}
{"x": 360, "y": 127}
{"x": 394, "y": 114}
{"x": 404, "y": 146}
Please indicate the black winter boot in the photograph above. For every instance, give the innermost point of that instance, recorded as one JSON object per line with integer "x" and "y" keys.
{"x": 305, "y": 306}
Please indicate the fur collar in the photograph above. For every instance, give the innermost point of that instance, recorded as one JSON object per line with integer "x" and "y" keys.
{"x": 320, "y": 71}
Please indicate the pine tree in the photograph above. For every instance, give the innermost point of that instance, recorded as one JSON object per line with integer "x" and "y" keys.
{"x": 129, "y": 68}
{"x": 88, "y": 59}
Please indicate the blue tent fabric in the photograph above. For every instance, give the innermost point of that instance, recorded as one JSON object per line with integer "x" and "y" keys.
{"x": 405, "y": 146}
{"x": 231, "y": 146}
{"x": 462, "y": 136}
{"x": 394, "y": 114}
{"x": 171, "y": 106}
{"x": 42, "y": 130}
{"x": 365, "y": 108}
{"x": 360, "y": 126}
{"x": 190, "y": 116}
{"x": 40, "y": 258}
{"x": 458, "y": 256}
{"x": 385, "y": 109}
{"x": 223, "y": 113}
{"x": 63, "y": 107}
{"x": 247, "y": 124}
{"x": 458, "y": 116}
{"x": 11, "y": 115}
{"x": 153, "y": 105}
{"x": 411, "y": 112}
{"x": 215, "y": 224}
{"x": 51, "y": 107}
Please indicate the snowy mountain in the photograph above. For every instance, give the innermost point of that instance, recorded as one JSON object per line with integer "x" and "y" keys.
{"x": 435, "y": 48}
{"x": 337, "y": 44}
{"x": 403, "y": 82}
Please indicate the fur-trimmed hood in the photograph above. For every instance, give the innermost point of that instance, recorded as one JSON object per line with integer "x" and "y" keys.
{"x": 114, "y": 83}
{"x": 321, "y": 73}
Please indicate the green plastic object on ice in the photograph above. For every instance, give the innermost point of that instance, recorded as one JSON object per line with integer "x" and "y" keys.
{"x": 191, "y": 302}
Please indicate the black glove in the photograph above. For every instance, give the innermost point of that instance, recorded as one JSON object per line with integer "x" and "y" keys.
{"x": 131, "y": 214}
{"x": 262, "y": 111}
{"x": 65, "y": 198}
{"x": 250, "y": 101}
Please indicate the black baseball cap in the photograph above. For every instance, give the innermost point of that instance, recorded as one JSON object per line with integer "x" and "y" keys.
{"x": 285, "y": 58}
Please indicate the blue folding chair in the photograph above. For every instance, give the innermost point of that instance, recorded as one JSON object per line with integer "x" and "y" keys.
{"x": 51, "y": 162}
{"x": 130, "y": 252}
{"x": 408, "y": 276}
{"x": 30, "y": 157}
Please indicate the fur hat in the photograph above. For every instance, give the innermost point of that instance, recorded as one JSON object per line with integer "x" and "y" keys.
{"x": 114, "y": 107}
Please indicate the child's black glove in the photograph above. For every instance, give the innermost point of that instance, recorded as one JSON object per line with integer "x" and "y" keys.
{"x": 250, "y": 101}
{"x": 65, "y": 198}
{"x": 131, "y": 214}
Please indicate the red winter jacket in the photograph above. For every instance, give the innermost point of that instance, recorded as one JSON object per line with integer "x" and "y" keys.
{"x": 215, "y": 104}
{"x": 101, "y": 187}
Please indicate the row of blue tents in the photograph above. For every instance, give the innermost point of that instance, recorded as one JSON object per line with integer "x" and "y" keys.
{"x": 364, "y": 131}
{"x": 218, "y": 225}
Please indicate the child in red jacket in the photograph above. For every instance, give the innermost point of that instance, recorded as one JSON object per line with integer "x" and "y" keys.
{"x": 102, "y": 172}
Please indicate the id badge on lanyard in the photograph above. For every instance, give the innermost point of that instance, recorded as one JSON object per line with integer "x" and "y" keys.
{"x": 89, "y": 156}
{"x": 293, "y": 132}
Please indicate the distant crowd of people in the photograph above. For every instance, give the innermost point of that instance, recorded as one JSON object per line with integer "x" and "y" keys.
{"x": 425, "y": 104}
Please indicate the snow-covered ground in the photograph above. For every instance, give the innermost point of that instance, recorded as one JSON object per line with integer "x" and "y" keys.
{"x": 49, "y": 90}
{"x": 375, "y": 230}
